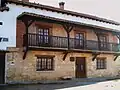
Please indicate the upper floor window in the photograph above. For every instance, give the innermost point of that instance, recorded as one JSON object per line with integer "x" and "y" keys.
{"x": 103, "y": 41}
{"x": 43, "y": 35}
{"x": 79, "y": 40}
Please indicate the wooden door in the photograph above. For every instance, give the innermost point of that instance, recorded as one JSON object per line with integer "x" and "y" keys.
{"x": 80, "y": 67}
{"x": 2, "y": 68}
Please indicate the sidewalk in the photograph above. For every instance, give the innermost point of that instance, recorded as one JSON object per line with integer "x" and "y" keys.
{"x": 66, "y": 81}
{"x": 74, "y": 84}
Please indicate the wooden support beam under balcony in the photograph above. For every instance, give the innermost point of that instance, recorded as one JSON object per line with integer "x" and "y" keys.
{"x": 65, "y": 54}
{"x": 27, "y": 22}
{"x": 116, "y": 56}
{"x": 95, "y": 56}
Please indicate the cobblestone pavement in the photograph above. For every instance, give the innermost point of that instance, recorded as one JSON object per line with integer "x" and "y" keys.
{"x": 105, "y": 85}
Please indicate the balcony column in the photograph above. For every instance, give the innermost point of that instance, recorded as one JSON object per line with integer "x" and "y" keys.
{"x": 97, "y": 34}
{"x": 118, "y": 36}
{"x": 68, "y": 29}
{"x": 27, "y": 22}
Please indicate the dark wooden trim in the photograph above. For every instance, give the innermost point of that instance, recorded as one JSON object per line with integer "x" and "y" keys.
{"x": 95, "y": 56}
{"x": 65, "y": 55}
{"x": 101, "y": 58}
{"x": 68, "y": 28}
{"x": 51, "y": 56}
{"x": 71, "y": 50}
{"x": 25, "y": 53}
{"x": 27, "y": 22}
{"x": 116, "y": 56}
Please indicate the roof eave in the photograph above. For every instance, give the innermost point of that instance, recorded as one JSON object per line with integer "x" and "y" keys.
{"x": 62, "y": 11}
{"x": 67, "y": 21}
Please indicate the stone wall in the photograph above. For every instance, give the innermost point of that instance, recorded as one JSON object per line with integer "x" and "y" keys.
{"x": 110, "y": 71}
{"x": 19, "y": 70}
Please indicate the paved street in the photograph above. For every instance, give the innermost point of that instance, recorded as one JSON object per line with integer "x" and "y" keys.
{"x": 106, "y": 85}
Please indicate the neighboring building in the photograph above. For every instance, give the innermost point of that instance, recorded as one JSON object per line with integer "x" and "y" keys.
{"x": 44, "y": 42}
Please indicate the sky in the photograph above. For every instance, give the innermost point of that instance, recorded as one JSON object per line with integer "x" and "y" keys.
{"x": 102, "y": 8}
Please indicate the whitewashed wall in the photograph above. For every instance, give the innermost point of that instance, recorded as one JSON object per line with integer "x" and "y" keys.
{"x": 8, "y": 29}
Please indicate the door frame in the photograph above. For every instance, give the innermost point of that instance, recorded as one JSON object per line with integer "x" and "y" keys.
{"x": 4, "y": 76}
{"x": 85, "y": 67}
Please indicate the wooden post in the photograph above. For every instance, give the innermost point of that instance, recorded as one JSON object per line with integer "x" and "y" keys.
{"x": 27, "y": 22}
{"x": 68, "y": 29}
{"x": 97, "y": 34}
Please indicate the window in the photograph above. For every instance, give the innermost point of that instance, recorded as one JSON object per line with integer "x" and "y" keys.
{"x": 103, "y": 41}
{"x": 101, "y": 63}
{"x": 44, "y": 63}
{"x": 79, "y": 40}
{"x": 43, "y": 36}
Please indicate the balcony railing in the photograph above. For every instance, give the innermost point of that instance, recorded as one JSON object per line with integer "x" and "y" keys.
{"x": 36, "y": 40}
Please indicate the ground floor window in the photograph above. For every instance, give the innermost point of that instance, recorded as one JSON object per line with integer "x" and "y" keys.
{"x": 44, "y": 63}
{"x": 101, "y": 63}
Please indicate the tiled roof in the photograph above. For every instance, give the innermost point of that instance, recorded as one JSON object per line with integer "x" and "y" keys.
{"x": 35, "y": 5}
{"x": 62, "y": 20}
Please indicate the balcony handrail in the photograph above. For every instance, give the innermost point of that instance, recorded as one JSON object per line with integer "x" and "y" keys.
{"x": 62, "y": 42}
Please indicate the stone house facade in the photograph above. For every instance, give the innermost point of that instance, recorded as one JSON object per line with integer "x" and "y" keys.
{"x": 50, "y": 46}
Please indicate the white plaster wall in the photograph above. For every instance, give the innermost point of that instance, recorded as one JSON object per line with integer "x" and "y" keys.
{"x": 8, "y": 29}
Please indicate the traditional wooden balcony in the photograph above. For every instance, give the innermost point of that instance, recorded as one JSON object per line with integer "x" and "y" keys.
{"x": 40, "y": 41}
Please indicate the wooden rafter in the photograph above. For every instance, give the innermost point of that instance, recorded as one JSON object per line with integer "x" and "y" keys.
{"x": 65, "y": 55}
{"x": 116, "y": 56}
{"x": 95, "y": 56}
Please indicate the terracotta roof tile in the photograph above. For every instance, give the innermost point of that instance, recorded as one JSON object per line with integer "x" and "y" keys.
{"x": 35, "y": 5}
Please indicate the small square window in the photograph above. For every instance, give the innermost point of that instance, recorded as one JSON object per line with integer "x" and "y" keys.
{"x": 44, "y": 63}
{"x": 101, "y": 63}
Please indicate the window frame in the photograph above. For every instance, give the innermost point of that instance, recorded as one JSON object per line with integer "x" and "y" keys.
{"x": 46, "y": 66}
{"x": 103, "y": 43}
{"x": 81, "y": 42}
{"x": 43, "y": 35}
{"x": 101, "y": 63}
